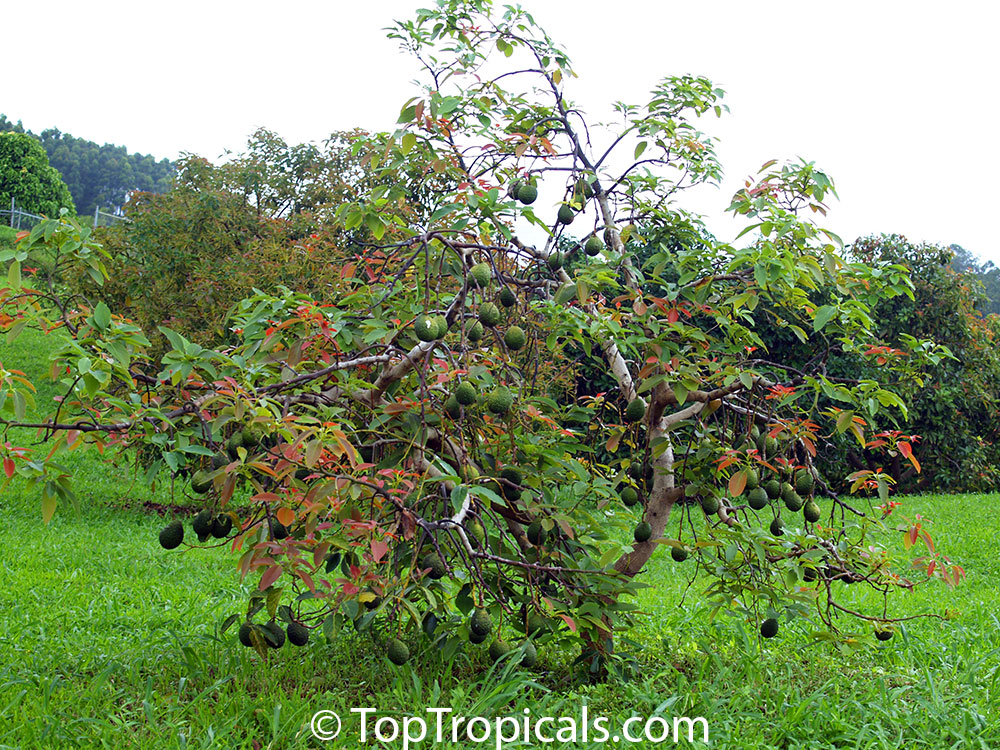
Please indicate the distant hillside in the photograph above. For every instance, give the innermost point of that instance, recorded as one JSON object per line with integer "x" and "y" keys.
{"x": 99, "y": 176}
{"x": 985, "y": 273}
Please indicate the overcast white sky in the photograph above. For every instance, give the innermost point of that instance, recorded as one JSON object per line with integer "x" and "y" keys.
{"x": 897, "y": 101}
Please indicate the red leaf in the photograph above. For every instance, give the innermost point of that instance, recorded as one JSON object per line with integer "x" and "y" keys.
{"x": 737, "y": 483}
{"x": 271, "y": 575}
{"x": 379, "y": 548}
{"x": 570, "y": 622}
{"x": 8, "y": 467}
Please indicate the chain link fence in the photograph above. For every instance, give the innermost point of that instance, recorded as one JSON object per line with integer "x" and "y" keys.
{"x": 18, "y": 220}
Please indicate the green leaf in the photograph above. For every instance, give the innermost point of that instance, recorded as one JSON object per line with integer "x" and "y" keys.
{"x": 407, "y": 142}
{"x": 102, "y": 316}
{"x": 14, "y": 274}
{"x": 823, "y": 316}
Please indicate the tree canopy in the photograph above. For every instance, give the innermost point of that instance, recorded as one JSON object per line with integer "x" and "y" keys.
{"x": 408, "y": 450}
{"x": 27, "y": 177}
{"x": 99, "y": 176}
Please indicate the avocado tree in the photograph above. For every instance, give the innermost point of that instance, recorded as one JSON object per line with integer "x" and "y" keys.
{"x": 409, "y": 455}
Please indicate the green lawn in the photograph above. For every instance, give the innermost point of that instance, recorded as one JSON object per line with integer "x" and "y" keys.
{"x": 106, "y": 640}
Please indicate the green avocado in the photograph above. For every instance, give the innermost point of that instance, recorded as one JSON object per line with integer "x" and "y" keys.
{"x": 398, "y": 652}
{"x": 489, "y": 314}
{"x": 642, "y": 532}
{"x": 500, "y": 400}
{"x": 635, "y": 410}
{"x": 514, "y": 338}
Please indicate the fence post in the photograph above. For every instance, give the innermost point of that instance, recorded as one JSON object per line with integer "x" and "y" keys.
{"x": 12, "y": 212}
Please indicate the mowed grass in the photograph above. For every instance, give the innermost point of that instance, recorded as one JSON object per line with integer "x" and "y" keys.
{"x": 106, "y": 640}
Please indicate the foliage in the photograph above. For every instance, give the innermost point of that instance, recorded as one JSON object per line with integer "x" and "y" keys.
{"x": 983, "y": 274}
{"x": 957, "y": 412}
{"x": 99, "y": 176}
{"x": 363, "y": 466}
{"x": 25, "y": 176}
{"x": 262, "y": 220}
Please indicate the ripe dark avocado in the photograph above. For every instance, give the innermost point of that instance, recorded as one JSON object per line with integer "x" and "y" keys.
{"x": 298, "y": 634}
{"x": 475, "y": 637}
{"x": 811, "y": 512}
{"x": 398, "y": 652}
{"x": 437, "y": 567}
{"x": 172, "y": 535}
{"x": 809, "y": 575}
{"x": 515, "y": 338}
{"x": 244, "y": 634}
{"x": 373, "y": 601}
{"x": 527, "y": 194}
{"x": 512, "y": 474}
{"x": 481, "y": 623}
{"x": 274, "y": 636}
{"x": 278, "y": 530}
{"x": 769, "y": 628}
{"x": 566, "y": 214}
{"x": 507, "y": 297}
{"x": 221, "y": 526}
{"x": 635, "y": 410}
{"x": 536, "y": 533}
{"x": 499, "y": 648}
{"x": 679, "y": 554}
{"x": 629, "y": 496}
{"x": 332, "y": 562}
{"x": 883, "y": 634}
{"x": 777, "y": 527}
{"x": 642, "y": 532}
{"x": 489, "y": 314}
{"x": 425, "y": 328}
{"x": 593, "y": 246}
{"x": 202, "y": 523}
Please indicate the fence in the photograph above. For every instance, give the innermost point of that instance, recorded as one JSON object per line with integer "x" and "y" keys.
{"x": 17, "y": 219}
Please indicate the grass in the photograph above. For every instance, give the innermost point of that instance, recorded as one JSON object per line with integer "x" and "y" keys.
{"x": 106, "y": 640}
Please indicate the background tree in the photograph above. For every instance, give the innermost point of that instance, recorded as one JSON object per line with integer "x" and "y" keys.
{"x": 25, "y": 176}
{"x": 99, "y": 176}
{"x": 411, "y": 461}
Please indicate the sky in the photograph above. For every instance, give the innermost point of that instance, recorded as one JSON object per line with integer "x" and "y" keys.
{"x": 895, "y": 100}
